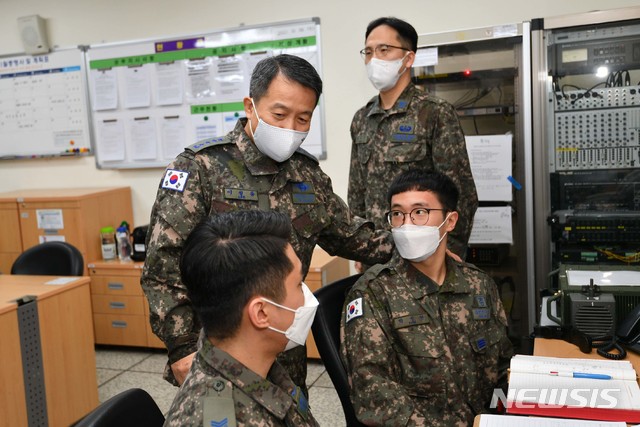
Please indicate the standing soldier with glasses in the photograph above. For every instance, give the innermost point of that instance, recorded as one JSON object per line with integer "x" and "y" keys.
{"x": 403, "y": 128}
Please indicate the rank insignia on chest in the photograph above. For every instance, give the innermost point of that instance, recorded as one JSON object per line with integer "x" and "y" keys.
{"x": 405, "y": 132}
{"x": 302, "y": 404}
{"x": 175, "y": 180}
{"x": 406, "y": 128}
{"x": 302, "y": 193}
{"x": 354, "y": 309}
{"x": 240, "y": 194}
{"x": 481, "y": 313}
{"x": 480, "y": 301}
{"x": 480, "y": 343}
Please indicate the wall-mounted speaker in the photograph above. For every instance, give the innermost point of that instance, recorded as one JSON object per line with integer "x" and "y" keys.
{"x": 594, "y": 316}
{"x": 33, "y": 34}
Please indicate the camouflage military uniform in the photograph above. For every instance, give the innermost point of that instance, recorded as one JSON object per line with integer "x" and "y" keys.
{"x": 419, "y": 131}
{"x": 230, "y": 173}
{"x": 422, "y": 354}
{"x": 257, "y": 401}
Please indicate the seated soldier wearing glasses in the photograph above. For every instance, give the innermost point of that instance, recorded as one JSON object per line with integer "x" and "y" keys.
{"x": 423, "y": 337}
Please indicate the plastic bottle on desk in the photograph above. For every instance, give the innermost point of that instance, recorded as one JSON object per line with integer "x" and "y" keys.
{"x": 108, "y": 240}
{"x": 124, "y": 243}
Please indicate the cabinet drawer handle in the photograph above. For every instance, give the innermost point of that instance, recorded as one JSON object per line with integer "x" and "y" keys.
{"x": 119, "y": 324}
{"x": 115, "y": 286}
{"x": 116, "y": 305}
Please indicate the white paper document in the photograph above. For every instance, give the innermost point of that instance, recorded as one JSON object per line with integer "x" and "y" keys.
{"x": 492, "y": 225}
{"x": 61, "y": 281}
{"x": 111, "y": 140}
{"x": 173, "y": 136}
{"x": 230, "y": 81}
{"x": 229, "y": 120}
{"x": 51, "y": 238}
{"x": 50, "y": 219}
{"x": 199, "y": 81}
{"x": 604, "y": 277}
{"x": 142, "y": 138}
{"x": 490, "y": 159}
{"x": 489, "y": 420}
{"x": 105, "y": 89}
{"x": 206, "y": 125}
{"x": 170, "y": 87}
{"x": 137, "y": 88}
{"x": 426, "y": 56}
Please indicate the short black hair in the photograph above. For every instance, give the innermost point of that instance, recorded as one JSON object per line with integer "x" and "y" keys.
{"x": 292, "y": 68}
{"x": 407, "y": 35}
{"x": 419, "y": 180}
{"x": 231, "y": 257}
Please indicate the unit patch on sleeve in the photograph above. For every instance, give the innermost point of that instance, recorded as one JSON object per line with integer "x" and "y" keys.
{"x": 354, "y": 309}
{"x": 302, "y": 193}
{"x": 175, "y": 180}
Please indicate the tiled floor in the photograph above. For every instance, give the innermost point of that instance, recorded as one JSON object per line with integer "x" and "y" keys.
{"x": 119, "y": 369}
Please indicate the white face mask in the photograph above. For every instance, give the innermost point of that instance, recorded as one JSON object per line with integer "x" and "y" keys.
{"x": 384, "y": 74}
{"x": 277, "y": 143}
{"x": 417, "y": 242}
{"x": 299, "y": 329}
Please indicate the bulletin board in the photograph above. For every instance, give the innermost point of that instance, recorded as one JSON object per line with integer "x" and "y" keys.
{"x": 150, "y": 99}
{"x": 43, "y": 105}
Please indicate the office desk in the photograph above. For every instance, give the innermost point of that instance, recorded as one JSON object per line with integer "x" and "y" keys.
{"x": 559, "y": 348}
{"x": 67, "y": 362}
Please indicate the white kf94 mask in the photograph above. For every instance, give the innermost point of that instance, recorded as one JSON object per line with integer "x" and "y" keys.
{"x": 274, "y": 142}
{"x": 299, "y": 329}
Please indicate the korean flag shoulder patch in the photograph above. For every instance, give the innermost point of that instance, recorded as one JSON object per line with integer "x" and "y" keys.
{"x": 354, "y": 309}
{"x": 175, "y": 180}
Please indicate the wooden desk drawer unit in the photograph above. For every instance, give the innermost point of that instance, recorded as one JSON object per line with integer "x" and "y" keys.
{"x": 120, "y": 310}
{"x": 324, "y": 270}
{"x": 74, "y": 215}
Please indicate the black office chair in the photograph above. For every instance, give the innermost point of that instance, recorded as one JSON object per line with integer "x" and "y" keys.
{"x": 326, "y": 333}
{"x": 50, "y": 259}
{"x": 131, "y": 408}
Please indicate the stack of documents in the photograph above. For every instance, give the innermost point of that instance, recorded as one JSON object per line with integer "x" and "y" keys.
{"x": 573, "y": 388}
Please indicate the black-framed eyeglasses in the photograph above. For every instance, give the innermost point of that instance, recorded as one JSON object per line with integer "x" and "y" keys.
{"x": 381, "y": 51}
{"x": 419, "y": 216}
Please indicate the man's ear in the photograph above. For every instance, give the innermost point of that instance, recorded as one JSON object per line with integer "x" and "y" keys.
{"x": 452, "y": 221}
{"x": 258, "y": 313}
{"x": 248, "y": 106}
{"x": 410, "y": 59}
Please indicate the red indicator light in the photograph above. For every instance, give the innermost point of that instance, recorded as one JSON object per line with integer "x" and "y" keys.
{"x": 466, "y": 73}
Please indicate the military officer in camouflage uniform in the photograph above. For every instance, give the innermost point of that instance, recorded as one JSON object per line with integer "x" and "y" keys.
{"x": 244, "y": 281}
{"x": 424, "y": 336}
{"x": 404, "y": 128}
{"x": 256, "y": 166}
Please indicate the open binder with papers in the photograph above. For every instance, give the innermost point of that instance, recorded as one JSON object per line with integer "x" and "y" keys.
{"x": 573, "y": 388}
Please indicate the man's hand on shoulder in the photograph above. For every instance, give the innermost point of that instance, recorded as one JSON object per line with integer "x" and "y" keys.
{"x": 181, "y": 367}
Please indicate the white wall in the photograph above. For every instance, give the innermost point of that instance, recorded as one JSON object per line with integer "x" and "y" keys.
{"x": 75, "y": 22}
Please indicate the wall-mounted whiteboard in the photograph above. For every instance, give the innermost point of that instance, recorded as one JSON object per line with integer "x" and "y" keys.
{"x": 151, "y": 99}
{"x": 43, "y": 105}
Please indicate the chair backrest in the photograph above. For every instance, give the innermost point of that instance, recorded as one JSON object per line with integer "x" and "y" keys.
{"x": 50, "y": 259}
{"x": 131, "y": 408}
{"x": 326, "y": 333}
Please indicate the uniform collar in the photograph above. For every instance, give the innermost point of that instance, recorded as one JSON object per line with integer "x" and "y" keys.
{"x": 401, "y": 105}
{"x": 256, "y": 161}
{"x": 272, "y": 393}
{"x": 420, "y": 285}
